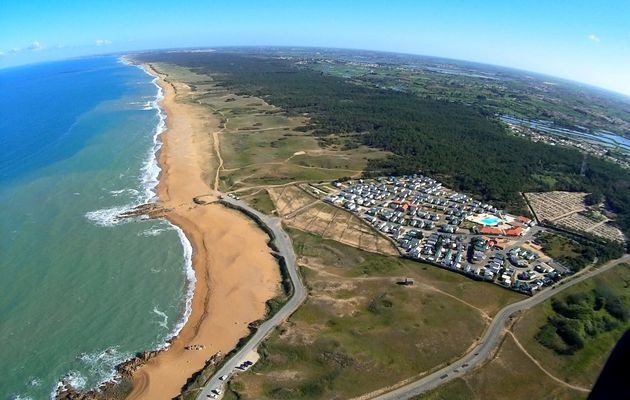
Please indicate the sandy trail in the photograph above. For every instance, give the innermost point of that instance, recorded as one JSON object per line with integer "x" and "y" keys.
{"x": 235, "y": 272}
{"x": 560, "y": 381}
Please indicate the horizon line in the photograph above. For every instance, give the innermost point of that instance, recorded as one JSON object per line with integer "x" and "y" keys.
{"x": 616, "y": 92}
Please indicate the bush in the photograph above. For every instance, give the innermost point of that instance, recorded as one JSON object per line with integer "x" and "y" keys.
{"x": 581, "y": 316}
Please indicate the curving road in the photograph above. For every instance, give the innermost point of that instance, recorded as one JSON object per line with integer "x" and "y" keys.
{"x": 490, "y": 339}
{"x": 472, "y": 359}
{"x": 285, "y": 250}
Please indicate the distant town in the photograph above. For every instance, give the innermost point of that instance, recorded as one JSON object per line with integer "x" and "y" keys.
{"x": 431, "y": 223}
{"x": 605, "y": 145}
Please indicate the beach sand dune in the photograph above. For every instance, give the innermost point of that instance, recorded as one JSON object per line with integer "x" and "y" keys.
{"x": 235, "y": 271}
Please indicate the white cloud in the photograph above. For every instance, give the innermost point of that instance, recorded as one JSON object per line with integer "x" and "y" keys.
{"x": 593, "y": 38}
{"x": 102, "y": 42}
{"x": 35, "y": 46}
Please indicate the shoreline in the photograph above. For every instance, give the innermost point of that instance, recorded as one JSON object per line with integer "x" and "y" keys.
{"x": 216, "y": 320}
{"x": 147, "y": 195}
{"x": 151, "y": 177}
{"x": 232, "y": 272}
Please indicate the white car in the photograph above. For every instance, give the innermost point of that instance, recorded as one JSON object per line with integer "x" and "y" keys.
{"x": 224, "y": 377}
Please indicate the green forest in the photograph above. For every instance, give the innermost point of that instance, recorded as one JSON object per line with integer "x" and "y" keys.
{"x": 459, "y": 144}
{"x": 581, "y": 316}
{"x": 578, "y": 251}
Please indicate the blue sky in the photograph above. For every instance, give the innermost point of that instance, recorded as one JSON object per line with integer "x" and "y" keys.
{"x": 587, "y": 41}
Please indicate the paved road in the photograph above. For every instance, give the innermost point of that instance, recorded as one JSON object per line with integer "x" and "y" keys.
{"x": 285, "y": 249}
{"x": 489, "y": 341}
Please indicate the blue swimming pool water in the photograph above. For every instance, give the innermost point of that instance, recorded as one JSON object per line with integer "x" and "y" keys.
{"x": 491, "y": 220}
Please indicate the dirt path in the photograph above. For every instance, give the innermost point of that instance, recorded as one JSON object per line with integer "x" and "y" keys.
{"x": 395, "y": 279}
{"x": 275, "y": 128}
{"x": 597, "y": 225}
{"x": 295, "y": 212}
{"x": 560, "y": 381}
{"x": 217, "y": 149}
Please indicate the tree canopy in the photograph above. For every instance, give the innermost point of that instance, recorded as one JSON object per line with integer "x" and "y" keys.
{"x": 457, "y": 143}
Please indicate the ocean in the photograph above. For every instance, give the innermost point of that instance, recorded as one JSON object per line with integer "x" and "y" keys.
{"x": 80, "y": 292}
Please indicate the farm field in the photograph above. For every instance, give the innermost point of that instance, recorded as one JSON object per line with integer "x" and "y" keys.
{"x": 303, "y": 211}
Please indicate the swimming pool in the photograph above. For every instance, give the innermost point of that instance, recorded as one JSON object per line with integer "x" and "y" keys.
{"x": 490, "y": 220}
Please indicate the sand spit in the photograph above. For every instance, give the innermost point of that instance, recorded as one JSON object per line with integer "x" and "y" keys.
{"x": 235, "y": 272}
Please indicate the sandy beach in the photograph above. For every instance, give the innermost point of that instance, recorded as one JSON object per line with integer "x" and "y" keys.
{"x": 235, "y": 272}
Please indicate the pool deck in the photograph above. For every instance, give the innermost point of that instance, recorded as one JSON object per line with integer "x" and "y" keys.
{"x": 491, "y": 220}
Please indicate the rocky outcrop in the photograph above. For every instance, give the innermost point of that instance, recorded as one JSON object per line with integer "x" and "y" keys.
{"x": 66, "y": 391}
{"x": 149, "y": 210}
{"x": 129, "y": 367}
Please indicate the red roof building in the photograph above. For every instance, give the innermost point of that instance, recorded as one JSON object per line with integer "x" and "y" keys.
{"x": 516, "y": 231}
{"x": 486, "y": 230}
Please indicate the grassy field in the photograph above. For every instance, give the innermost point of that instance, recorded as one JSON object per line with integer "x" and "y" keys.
{"x": 350, "y": 262}
{"x": 558, "y": 246}
{"x": 570, "y": 252}
{"x": 583, "y": 367}
{"x": 261, "y": 145}
{"x": 259, "y": 199}
{"x": 337, "y": 224}
{"x": 510, "y": 375}
{"x": 301, "y": 207}
{"x": 359, "y": 331}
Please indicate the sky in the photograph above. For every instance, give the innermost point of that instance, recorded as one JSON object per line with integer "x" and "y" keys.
{"x": 585, "y": 41}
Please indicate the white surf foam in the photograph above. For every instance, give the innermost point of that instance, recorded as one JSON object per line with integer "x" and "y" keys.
{"x": 100, "y": 364}
{"x": 75, "y": 379}
{"x": 191, "y": 279}
{"x": 164, "y": 322}
{"x": 116, "y": 193}
{"x": 108, "y": 217}
{"x": 149, "y": 173}
{"x": 151, "y": 170}
{"x": 72, "y": 378}
{"x": 152, "y": 232}
{"x": 35, "y": 382}
{"x": 103, "y": 363}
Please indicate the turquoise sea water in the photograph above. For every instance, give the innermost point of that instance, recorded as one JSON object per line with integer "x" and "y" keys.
{"x": 79, "y": 293}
